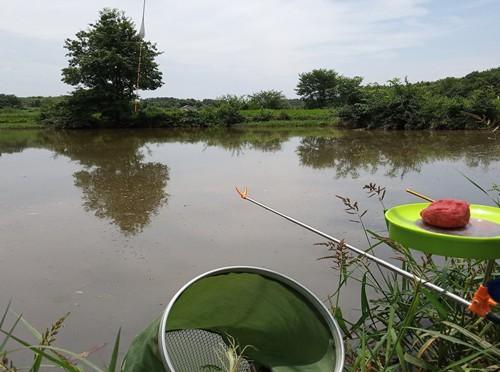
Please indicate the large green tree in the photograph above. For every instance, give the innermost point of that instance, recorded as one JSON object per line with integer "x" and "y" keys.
{"x": 103, "y": 66}
{"x": 322, "y": 88}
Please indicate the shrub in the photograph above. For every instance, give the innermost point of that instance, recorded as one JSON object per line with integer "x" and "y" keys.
{"x": 228, "y": 114}
{"x": 283, "y": 115}
{"x": 9, "y": 101}
{"x": 263, "y": 115}
{"x": 65, "y": 114}
{"x": 267, "y": 99}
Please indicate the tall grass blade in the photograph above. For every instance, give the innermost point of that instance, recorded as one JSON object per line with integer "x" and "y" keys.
{"x": 437, "y": 305}
{"x": 9, "y": 333}
{"x": 451, "y": 339}
{"x": 30, "y": 328}
{"x": 114, "y": 355}
{"x": 483, "y": 343}
{"x": 56, "y": 360}
{"x": 4, "y": 316}
{"x": 418, "y": 362}
{"x": 479, "y": 187}
{"x": 365, "y": 306}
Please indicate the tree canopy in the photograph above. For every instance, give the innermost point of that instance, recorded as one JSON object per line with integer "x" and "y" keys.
{"x": 103, "y": 65}
{"x": 267, "y": 99}
{"x": 322, "y": 88}
{"x": 451, "y": 103}
{"x": 9, "y": 101}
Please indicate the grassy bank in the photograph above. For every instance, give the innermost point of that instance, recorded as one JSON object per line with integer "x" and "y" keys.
{"x": 289, "y": 118}
{"x": 288, "y": 123}
{"x": 19, "y": 118}
{"x": 214, "y": 116}
{"x": 28, "y": 118}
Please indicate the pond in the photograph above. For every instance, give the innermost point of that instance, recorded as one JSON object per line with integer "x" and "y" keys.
{"x": 110, "y": 224}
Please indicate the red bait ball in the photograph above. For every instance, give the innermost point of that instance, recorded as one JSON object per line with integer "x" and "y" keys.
{"x": 447, "y": 214}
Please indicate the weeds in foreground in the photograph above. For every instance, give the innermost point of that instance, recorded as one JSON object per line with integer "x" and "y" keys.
{"x": 403, "y": 326}
{"x": 490, "y": 194}
{"x": 45, "y": 354}
{"x": 230, "y": 356}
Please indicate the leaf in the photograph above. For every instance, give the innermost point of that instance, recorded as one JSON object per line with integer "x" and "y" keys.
{"x": 440, "y": 308}
{"x": 479, "y": 187}
{"x": 451, "y": 339}
{"x": 62, "y": 363}
{"x": 483, "y": 343}
{"x": 5, "y": 313}
{"x": 365, "y": 306}
{"x": 418, "y": 362}
{"x": 390, "y": 324}
{"x": 425, "y": 346}
{"x": 401, "y": 356}
{"x": 337, "y": 314}
{"x": 10, "y": 332}
{"x": 114, "y": 355}
{"x": 464, "y": 360}
{"x": 30, "y": 328}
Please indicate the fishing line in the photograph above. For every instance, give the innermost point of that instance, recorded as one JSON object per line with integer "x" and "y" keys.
{"x": 142, "y": 34}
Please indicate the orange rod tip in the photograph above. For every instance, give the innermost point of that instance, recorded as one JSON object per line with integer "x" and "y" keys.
{"x": 243, "y": 194}
{"x": 482, "y": 303}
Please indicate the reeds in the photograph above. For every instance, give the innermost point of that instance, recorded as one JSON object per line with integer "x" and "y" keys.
{"x": 45, "y": 354}
{"x": 403, "y": 326}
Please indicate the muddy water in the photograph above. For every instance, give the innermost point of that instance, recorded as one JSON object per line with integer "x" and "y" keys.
{"x": 108, "y": 225}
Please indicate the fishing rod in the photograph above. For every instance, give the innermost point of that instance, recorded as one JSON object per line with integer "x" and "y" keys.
{"x": 495, "y": 318}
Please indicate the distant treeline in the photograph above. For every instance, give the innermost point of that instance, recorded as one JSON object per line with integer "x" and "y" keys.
{"x": 11, "y": 101}
{"x": 472, "y": 101}
{"x": 262, "y": 100}
{"x": 451, "y": 103}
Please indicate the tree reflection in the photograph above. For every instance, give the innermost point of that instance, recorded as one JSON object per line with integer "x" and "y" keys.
{"x": 117, "y": 184}
{"x": 128, "y": 196}
{"x": 12, "y": 141}
{"x": 235, "y": 141}
{"x": 352, "y": 152}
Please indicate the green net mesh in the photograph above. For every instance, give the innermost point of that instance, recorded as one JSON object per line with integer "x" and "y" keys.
{"x": 262, "y": 323}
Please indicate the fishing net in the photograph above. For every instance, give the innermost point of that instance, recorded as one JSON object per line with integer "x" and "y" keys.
{"x": 241, "y": 321}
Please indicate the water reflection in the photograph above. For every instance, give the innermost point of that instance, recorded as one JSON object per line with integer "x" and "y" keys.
{"x": 236, "y": 141}
{"x": 117, "y": 184}
{"x": 128, "y": 195}
{"x": 397, "y": 153}
{"x": 12, "y": 141}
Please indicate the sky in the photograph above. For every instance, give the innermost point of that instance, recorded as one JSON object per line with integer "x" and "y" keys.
{"x": 216, "y": 47}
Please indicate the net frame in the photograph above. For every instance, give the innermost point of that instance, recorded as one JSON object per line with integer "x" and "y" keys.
{"x": 271, "y": 274}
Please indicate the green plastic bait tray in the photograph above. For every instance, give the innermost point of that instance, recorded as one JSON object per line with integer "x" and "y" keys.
{"x": 480, "y": 239}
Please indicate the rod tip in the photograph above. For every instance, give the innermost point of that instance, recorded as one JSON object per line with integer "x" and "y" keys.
{"x": 243, "y": 194}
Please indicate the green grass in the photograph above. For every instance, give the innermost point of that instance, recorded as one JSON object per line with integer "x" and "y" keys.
{"x": 294, "y": 114}
{"x": 27, "y": 118}
{"x": 46, "y": 356}
{"x": 289, "y": 118}
{"x": 288, "y": 123}
{"x": 19, "y": 118}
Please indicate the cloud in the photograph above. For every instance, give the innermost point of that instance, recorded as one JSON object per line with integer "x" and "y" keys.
{"x": 214, "y": 47}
